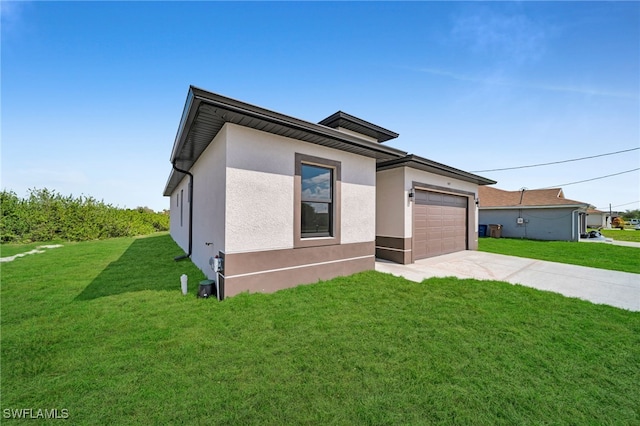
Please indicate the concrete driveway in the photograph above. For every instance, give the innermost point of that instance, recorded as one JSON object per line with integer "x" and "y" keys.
{"x": 619, "y": 289}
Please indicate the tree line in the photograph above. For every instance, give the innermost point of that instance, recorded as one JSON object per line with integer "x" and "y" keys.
{"x": 45, "y": 215}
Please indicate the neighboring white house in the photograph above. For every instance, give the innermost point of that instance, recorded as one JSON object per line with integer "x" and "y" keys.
{"x": 283, "y": 201}
{"x": 537, "y": 214}
{"x": 598, "y": 219}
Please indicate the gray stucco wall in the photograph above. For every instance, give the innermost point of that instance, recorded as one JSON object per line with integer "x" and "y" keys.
{"x": 559, "y": 224}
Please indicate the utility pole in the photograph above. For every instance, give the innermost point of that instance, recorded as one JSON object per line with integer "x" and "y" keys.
{"x": 610, "y": 221}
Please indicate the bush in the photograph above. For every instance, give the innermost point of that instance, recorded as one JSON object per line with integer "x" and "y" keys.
{"x": 46, "y": 215}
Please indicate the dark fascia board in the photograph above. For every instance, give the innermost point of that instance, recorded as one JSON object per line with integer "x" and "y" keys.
{"x": 427, "y": 165}
{"x": 292, "y": 122}
{"x": 342, "y": 119}
{"x": 197, "y": 96}
{"x": 188, "y": 113}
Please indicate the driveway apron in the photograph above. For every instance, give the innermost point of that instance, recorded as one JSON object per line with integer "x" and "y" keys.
{"x": 619, "y": 289}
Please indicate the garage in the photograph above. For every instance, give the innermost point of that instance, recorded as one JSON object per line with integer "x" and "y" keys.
{"x": 439, "y": 224}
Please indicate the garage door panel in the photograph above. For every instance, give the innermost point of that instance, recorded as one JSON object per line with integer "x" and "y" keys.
{"x": 448, "y": 233}
{"x": 448, "y": 221}
{"x": 440, "y": 224}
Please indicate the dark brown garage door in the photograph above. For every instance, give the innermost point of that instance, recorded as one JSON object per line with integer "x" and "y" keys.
{"x": 439, "y": 224}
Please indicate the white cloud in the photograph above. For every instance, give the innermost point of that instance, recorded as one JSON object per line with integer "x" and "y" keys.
{"x": 512, "y": 36}
{"x": 491, "y": 81}
{"x": 11, "y": 15}
{"x": 317, "y": 187}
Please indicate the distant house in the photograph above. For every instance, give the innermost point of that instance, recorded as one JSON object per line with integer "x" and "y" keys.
{"x": 539, "y": 214}
{"x": 598, "y": 219}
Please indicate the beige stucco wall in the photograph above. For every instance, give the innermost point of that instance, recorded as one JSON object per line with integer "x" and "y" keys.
{"x": 259, "y": 191}
{"x": 180, "y": 232}
{"x": 392, "y": 196}
{"x": 209, "y": 203}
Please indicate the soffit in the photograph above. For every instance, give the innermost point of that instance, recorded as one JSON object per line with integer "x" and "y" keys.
{"x": 355, "y": 124}
{"x": 427, "y": 165}
{"x": 205, "y": 113}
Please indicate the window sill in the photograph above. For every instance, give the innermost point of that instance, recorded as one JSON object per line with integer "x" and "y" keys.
{"x": 316, "y": 242}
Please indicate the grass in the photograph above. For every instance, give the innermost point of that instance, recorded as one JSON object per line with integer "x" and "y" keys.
{"x": 102, "y": 330}
{"x": 619, "y": 235}
{"x": 595, "y": 255}
{"x": 7, "y": 250}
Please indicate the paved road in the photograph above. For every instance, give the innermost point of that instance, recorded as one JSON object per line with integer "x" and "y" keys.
{"x": 619, "y": 289}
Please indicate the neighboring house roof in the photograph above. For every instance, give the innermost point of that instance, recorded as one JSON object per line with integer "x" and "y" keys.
{"x": 492, "y": 198}
{"x": 427, "y": 165}
{"x": 594, "y": 211}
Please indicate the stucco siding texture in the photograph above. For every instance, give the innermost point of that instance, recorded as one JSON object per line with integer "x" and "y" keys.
{"x": 179, "y": 215}
{"x": 539, "y": 224}
{"x": 444, "y": 182}
{"x": 392, "y": 202}
{"x": 272, "y": 270}
{"x": 259, "y": 211}
{"x": 260, "y": 185}
{"x": 209, "y": 203}
{"x": 260, "y": 252}
{"x": 358, "y": 213}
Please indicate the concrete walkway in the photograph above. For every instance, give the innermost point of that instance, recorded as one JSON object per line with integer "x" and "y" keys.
{"x": 612, "y": 241}
{"x": 625, "y": 243}
{"x": 619, "y": 289}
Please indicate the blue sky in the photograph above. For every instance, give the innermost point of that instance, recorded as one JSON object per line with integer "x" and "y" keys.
{"x": 92, "y": 92}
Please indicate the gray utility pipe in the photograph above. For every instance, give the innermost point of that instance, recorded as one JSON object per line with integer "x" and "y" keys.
{"x": 185, "y": 256}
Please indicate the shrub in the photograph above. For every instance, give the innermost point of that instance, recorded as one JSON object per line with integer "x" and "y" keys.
{"x": 46, "y": 215}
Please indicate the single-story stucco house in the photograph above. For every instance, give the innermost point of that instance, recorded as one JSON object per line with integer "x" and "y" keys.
{"x": 282, "y": 201}
{"x": 537, "y": 214}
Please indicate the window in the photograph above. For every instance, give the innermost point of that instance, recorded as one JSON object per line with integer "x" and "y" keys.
{"x": 181, "y": 205}
{"x": 316, "y": 213}
{"x": 317, "y": 201}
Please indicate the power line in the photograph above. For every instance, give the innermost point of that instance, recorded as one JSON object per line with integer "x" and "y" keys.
{"x": 555, "y": 162}
{"x": 589, "y": 180}
{"x": 619, "y": 205}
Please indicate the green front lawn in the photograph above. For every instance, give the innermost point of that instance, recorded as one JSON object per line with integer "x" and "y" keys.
{"x": 619, "y": 235}
{"x": 595, "y": 255}
{"x": 101, "y": 329}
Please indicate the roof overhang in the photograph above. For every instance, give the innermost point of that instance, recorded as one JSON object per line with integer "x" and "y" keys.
{"x": 427, "y": 165}
{"x": 521, "y": 207}
{"x": 355, "y": 124}
{"x": 205, "y": 113}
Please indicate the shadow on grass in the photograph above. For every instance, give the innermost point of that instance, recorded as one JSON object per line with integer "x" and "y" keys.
{"x": 147, "y": 264}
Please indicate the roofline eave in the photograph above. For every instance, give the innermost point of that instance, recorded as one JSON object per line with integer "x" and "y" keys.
{"x": 518, "y": 207}
{"x": 430, "y": 166}
{"x": 196, "y": 97}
